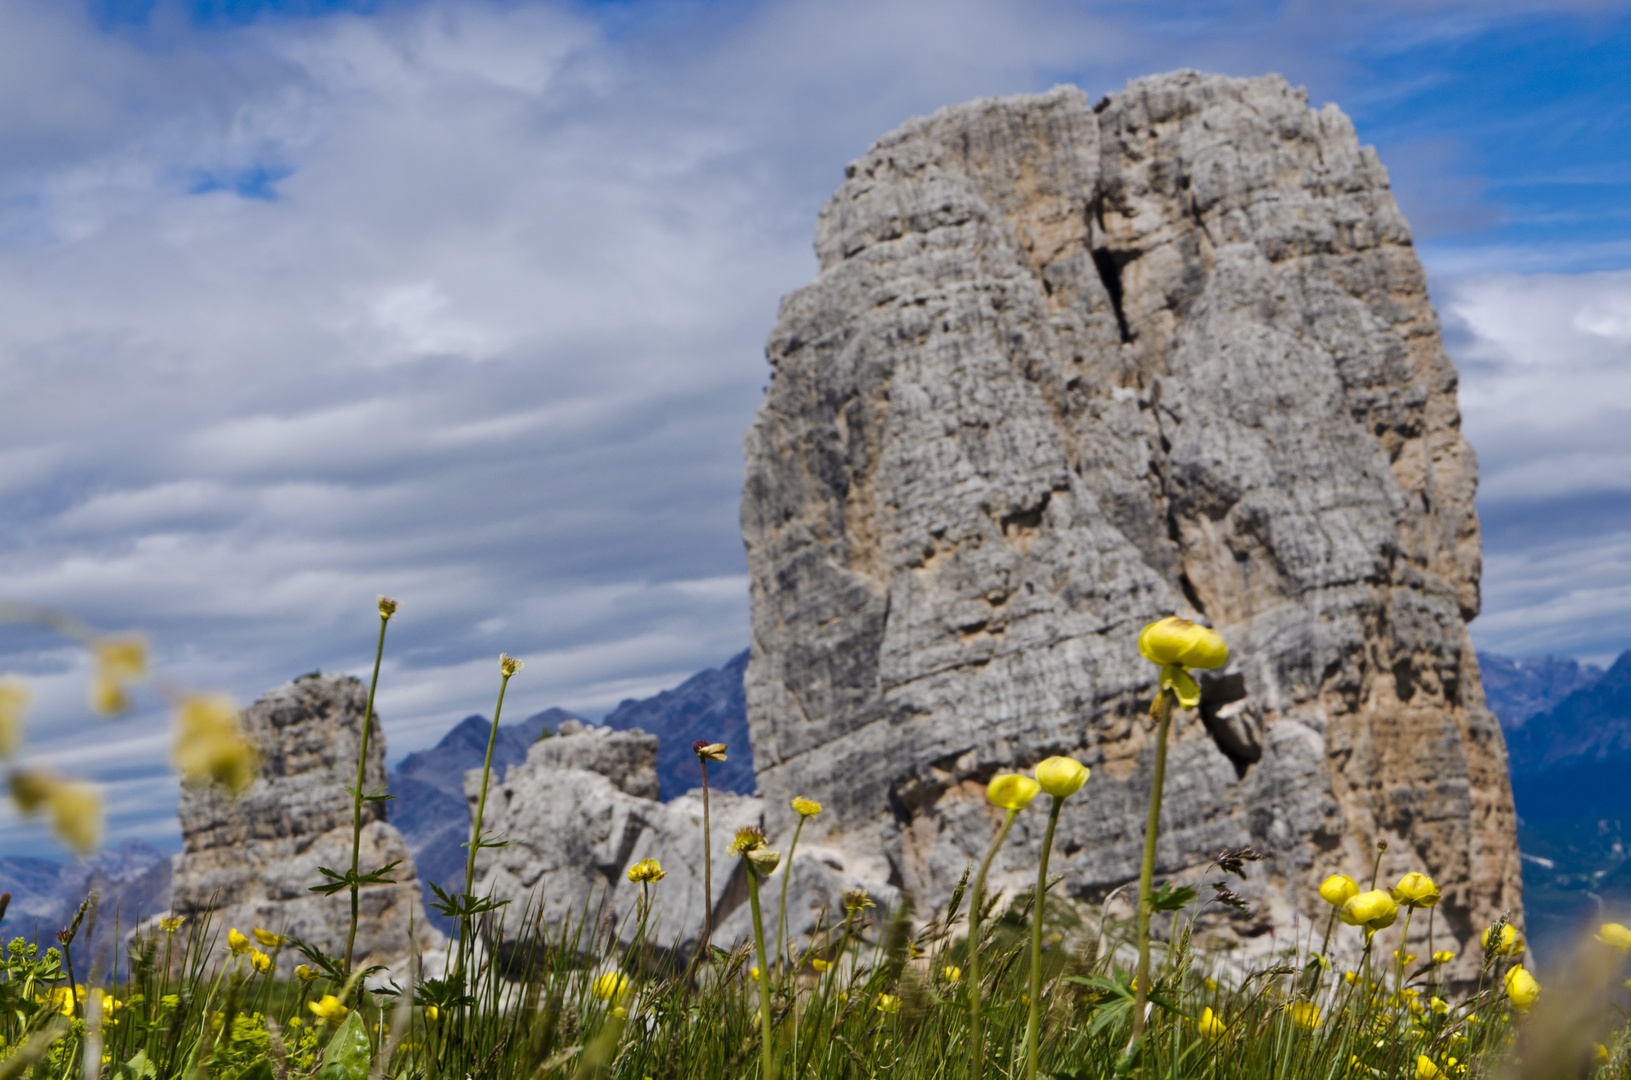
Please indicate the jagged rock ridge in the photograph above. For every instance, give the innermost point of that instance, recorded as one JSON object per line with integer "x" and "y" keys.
{"x": 252, "y": 861}
{"x": 1068, "y": 367}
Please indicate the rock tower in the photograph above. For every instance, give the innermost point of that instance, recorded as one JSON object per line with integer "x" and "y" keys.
{"x": 1066, "y": 368}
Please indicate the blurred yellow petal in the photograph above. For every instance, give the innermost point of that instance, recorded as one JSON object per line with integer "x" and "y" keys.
{"x": 76, "y": 814}
{"x": 14, "y": 701}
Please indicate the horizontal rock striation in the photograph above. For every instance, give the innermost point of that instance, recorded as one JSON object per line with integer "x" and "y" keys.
{"x": 251, "y": 862}
{"x": 1066, "y": 368}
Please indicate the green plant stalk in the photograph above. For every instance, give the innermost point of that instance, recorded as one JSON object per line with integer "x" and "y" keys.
{"x": 481, "y": 809}
{"x": 356, "y": 795}
{"x": 1033, "y": 1022}
{"x": 707, "y": 866}
{"x": 785, "y": 952}
{"x": 767, "y": 1058}
{"x": 1162, "y": 708}
{"x": 976, "y": 1033}
{"x": 1398, "y": 957}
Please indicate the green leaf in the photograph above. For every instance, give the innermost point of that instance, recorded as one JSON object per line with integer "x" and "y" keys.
{"x": 1167, "y": 898}
{"x": 348, "y": 1052}
{"x": 137, "y": 1068}
{"x": 259, "y": 1070}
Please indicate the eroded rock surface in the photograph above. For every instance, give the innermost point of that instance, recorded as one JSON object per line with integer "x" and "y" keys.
{"x": 1068, "y": 367}
{"x": 253, "y": 860}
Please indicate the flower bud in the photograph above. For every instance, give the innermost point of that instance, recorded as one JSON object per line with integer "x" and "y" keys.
{"x": 611, "y": 986}
{"x": 1178, "y": 642}
{"x": 1012, "y": 791}
{"x": 764, "y": 860}
{"x": 1338, "y": 889}
{"x": 1061, "y": 777}
{"x": 1416, "y": 890}
{"x": 1521, "y": 988}
{"x": 1375, "y": 910}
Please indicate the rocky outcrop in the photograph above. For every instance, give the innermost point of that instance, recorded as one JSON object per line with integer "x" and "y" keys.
{"x": 1069, "y": 367}
{"x": 583, "y": 807}
{"x": 252, "y": 861}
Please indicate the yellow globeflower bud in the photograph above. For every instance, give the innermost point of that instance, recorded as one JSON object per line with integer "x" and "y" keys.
{"x": 238, "y": 942}
{"x": 1616, "y": 935}
{"x": 1416, "y": 890}
{"x": 753, "y": 973}
{"x": 1211, "y": 1024}
{"x": 1012, "y": 791}
{"x": 267, "y": 938}
{"x": 806, "y": 807}
{"x": 1375, "y": 910}
{"x": 1511, "y": 942}
{"x": 1338, "y": 889}
{"x": 329, "y": 1008}
{"x": 1175, "y": 642}
{"x": 611, "y": 986}
{"x": 1061, "y": 777}
{"x": 14, "y": 700}
{"x": 1521, "y": 988}
{"x": 76, "y": 814}
{"x": 119, "y": 662}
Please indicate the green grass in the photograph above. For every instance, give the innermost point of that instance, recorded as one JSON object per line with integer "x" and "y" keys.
{"x": 207, "y": 1014}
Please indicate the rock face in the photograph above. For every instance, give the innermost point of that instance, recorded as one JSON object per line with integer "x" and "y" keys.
{"x": 583, "y": 807}
{"x": 1067, "y": 368}
{"x": 254, "y": 860}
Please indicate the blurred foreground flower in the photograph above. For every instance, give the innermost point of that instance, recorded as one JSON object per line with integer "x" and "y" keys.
{"x": 888, "y": 1004}
{"x": 14, "y": 700}
{"x": 75, "y": 806}
{"x": 611, "y": 986}
{"x": 329, "y": 1008}
{"x": 119, "y": 662}
{"x": 1615, "y": 935}
{"x": 951, "y": 973}
{"x": 1305, "y": 1014}
{"x": 210, "y": 746}
{"x": 1211, "y": 1024}
{"x": 1425, "y": 1069}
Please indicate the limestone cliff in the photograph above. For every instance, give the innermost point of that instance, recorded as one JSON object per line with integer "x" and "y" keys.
{"x": 253, "y": 860}
{"x": 1068, "y": 367}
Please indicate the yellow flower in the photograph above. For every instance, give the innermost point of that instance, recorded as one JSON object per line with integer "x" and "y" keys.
{"x": 432, "y": 1013}
{"x": 1351, "y": 977}
{"x": 14, "y": 699}
{"x": 952, "y": 973}
{"x": 1404, "y": 958}
{"x": 1511, "y": 943}
{"x": 1439, "y": 1005}
{"x": 267, "y": 938}
{"x": 260, "y": 961}
{"x": 210, "y": 746}
{"x": 1210, "y": 984}
{"x": 806, "y": 807}
{"x": 119, "y": 662}
{"x": 820, "y": 965}
{"x": 1012, "y": 791}
{"x": 1375, "y": 910}
{"x": 1600, "y": 1054}
{"x": 753, "y": 973}
{"x": 76, "y": 814}
{"x": 856, "y": 899}
{"x": 647, "y": 870}
{"x": 1211, "y": 1024}
{"x": 508, "y": 665}
{"x": 1521, "y": 988}
{"x": 387, "y": 607}
{"x": 887, "y": 1003}
{"x": 747, "y": 839}
{"x": 1616, "y": 935}
{"x": 171, "y": 924}
{"x": 329, "y": 1008}
{"x": 1338, "y": 889}
{"x": 237, "y": 942}
{"x": 1416, "y": 890}
{"x": 1443, "y": 956}
{"x": 306, "y": 973}
{"x": 1425, "y": 1069}
{"x": 1175, "y": 642}
{"x": 707, "y": 751}
{"x": 611, "y": 986}
{"x": 1305, "y": 1015}
{"x": 621, "y": 1013}
{"x": 1061, "y": 777}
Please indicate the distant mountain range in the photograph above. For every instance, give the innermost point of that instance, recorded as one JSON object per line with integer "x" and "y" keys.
{"x": 1568, "y": 737}
{"x": 430, "y": 809}
{"x": 133, "y": 883}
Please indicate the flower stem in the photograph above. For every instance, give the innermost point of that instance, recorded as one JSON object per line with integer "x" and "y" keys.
{"x": 1398, "y": 957}
{"x": 784, "y": 953}
{"x": 356, "y": 804}
{"x": 976, "y": 1035}
{"x": 707, "y": 867}
{"x": 767, "y": 1061}
{"x": 1162, "y": 708}
{"x": 1034, "y": 1021}
{"x": 481, "y": 810}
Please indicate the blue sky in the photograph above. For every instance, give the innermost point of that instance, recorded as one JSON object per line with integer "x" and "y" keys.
{"x": 465, "y": 302}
